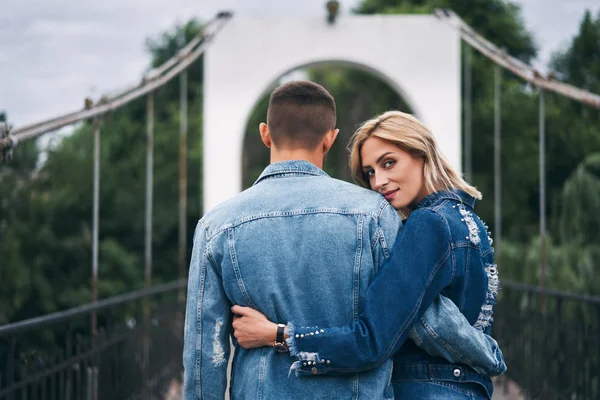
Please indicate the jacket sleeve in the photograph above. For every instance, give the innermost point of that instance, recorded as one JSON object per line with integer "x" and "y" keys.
{"x": 417, "y": 271}
{"x": 207, "y": 326}
{"x": 444, "y": 331}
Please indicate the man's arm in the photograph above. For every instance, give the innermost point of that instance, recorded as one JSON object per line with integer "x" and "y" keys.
{"x": 207, "y": 325}
{"x": 444, "y": 331}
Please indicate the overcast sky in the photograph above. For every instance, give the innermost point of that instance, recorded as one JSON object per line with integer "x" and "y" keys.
{"x": 54, "y": 53}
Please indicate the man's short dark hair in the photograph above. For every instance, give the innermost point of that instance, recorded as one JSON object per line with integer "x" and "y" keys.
{"x": 300, "y": 114}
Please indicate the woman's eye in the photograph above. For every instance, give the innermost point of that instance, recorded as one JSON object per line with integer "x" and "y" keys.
{"x": 388, "y": 163}
{"x": 370, "y": 173}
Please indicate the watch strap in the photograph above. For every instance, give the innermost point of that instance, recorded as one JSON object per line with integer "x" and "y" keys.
{"x": 280, "y": 329}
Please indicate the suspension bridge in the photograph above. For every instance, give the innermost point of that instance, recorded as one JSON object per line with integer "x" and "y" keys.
{"x": 130, "y": 346}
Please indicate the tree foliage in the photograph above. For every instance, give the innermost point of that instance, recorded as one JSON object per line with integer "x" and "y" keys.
{"x": 359, "y": 95}
{"x": 46, "y": 213}
{"x": 572, "y": 131}
{"x": 46, "y": 210}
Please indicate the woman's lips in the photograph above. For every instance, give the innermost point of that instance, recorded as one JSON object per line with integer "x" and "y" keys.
{"x": 390, "y": 194}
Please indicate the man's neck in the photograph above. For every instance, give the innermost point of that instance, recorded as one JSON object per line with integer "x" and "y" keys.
{"x": 314, "y": 157}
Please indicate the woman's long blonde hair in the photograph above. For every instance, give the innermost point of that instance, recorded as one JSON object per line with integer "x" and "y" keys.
{"x": 409, "y": 134}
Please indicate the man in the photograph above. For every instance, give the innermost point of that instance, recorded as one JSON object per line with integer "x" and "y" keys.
{"x": 297, "y": 245}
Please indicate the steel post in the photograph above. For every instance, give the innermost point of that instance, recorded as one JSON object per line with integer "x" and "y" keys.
{"x": 542, "y": 159}
{"x": 95, "y": 222}
{"x": 183, "y": 128}
{"x": 497, "y": 162}
{"x": 468, "y": 113}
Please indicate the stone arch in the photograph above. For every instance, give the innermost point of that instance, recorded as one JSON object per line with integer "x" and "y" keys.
{"x": 249, "y": 174}
{"x": 418, "y": 56}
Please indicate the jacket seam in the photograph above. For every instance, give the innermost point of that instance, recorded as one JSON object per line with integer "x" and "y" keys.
{"x": 357, "y": 262}
{"x": 463, "y": 244}
{"x": 464, "y": 291}
{"x": 488, "y": 251}
{"x": 448, "y": 346}
{"x": 379, "y": 237}
{"x": 382, "y": 206}
{"x": 279, "y": 214}
{"x": 384, "y": 246}
{"x": 199, "y": 318}
{"x": 236, "y": 269}
{"x": 375, "y": 239}
{"x": 451, "y": 241}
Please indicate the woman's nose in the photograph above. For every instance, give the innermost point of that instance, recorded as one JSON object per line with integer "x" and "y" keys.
{"x": 381, "y": 181}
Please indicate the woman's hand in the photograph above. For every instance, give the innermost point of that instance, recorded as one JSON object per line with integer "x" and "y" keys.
{"x": 252, "y": 329}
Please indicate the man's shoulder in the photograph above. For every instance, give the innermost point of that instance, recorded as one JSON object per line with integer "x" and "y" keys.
{"x": 320, "y": 192}
{"x": 225, "y": 213}
{"x": 362, "y": 198}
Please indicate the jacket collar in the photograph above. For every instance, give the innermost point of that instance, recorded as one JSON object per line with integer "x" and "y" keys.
{"x": 290, "y": 167}
{"x": 452, "y": 194}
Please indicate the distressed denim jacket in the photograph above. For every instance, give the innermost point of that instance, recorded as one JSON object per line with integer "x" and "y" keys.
{"x": 298, "y": 246}
{"x": 443, "y": 248}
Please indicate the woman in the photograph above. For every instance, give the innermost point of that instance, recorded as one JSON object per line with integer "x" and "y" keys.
{"x": 443, "y": 248}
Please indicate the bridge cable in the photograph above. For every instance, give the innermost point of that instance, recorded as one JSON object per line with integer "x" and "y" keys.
{"x": 153, "y": 80}
{"x": 516, "y": 66}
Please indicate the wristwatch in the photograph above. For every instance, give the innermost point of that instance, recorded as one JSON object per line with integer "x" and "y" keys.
{"x": 280, "y": 345}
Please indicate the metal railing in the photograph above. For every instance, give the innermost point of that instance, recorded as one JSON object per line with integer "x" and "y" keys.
{"x": 551, "y": 342}
{"x": 135, "y": 354}
{"x": 95, "y": 114}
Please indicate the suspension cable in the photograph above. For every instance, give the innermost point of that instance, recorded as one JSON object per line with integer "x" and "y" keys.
{"x": 519, "y": 68}
{"x": 159, "y": 76}
{"x": 153, "y": 80}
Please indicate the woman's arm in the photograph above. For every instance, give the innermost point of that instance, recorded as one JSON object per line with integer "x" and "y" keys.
{"x": 442, "y": 331}
{"x": 418, "y": 270}
{"x": 406, "y": 284}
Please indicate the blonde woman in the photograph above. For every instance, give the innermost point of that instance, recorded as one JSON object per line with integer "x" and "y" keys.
{"x": 444, "y": 248}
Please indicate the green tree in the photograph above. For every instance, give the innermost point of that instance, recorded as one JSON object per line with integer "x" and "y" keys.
{"x": 359, "y": 95}
{"x": 500, "y": 22}
{"x": 580, "y": 200}
{"x": 573, "y": 253}
{"x": 46, "y": 210}
{"x": 579, "y": 64}
{"x": 46, "y": 213}
{"x": 572, "y": 132}
{"x": 14, "y": 228}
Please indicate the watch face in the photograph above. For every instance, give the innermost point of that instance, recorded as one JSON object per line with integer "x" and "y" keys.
{"x": 280, "y": 347}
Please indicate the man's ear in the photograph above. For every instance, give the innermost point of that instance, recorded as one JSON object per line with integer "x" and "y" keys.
{"x": 329, "y": 139}
{"x": 265, "y": 134}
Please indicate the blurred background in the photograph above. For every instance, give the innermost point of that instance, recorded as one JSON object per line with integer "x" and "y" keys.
{"x": 53, "y": 55}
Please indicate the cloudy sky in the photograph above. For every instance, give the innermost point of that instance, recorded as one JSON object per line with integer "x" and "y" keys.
{"x": 54, "y": 53}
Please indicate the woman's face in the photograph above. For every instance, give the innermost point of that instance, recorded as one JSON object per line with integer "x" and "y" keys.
{"x": 393, "y": 172}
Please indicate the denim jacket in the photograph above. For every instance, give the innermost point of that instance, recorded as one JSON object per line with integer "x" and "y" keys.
{"x": 298, "y": 246}
{"x": 443, "y": 248}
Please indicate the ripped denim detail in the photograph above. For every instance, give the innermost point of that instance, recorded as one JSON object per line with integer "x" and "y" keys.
{"x": 487, "y": 230}
{"x": 290, "y": 330}
{"x": 485, "y": 318}
{"x": 218, "y": 351}
{"x": 467, "y": 217}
